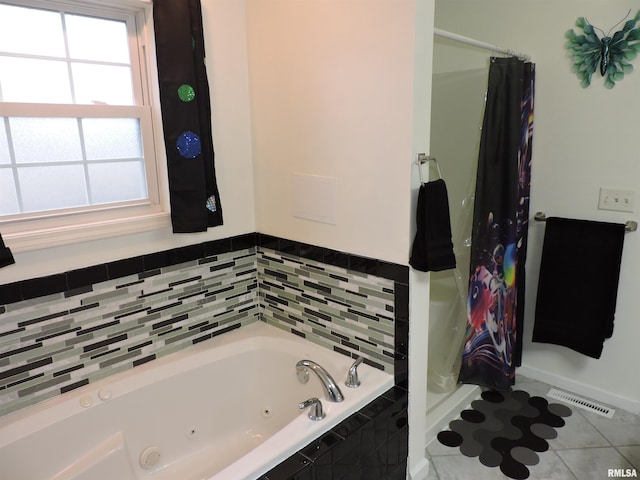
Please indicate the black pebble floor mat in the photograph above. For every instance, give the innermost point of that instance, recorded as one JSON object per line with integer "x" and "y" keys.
{"x": 506, "y": 429}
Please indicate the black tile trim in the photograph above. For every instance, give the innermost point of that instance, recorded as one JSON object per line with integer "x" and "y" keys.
{"x": 174, "y": 256}
{"x": 385, "y": 417}
{"x": 401, "y": 302}
{"x": 380, "y": 268}
{"x": 268, "y": 241}
{"x": 240, "y": 242}
{"x": 125, "y": 267}
{"x": 84, "y": 277}
{"x": 42, "y": 286}
{"x": 217, "y": 247}
{"x": 80, "y": 280}
{"x": 10, "y": 293}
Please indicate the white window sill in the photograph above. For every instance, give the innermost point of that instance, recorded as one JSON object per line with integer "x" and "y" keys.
{"x": 53, "y": 236}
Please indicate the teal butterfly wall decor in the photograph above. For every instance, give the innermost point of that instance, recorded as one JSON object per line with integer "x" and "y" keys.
{"x": 609, "y": 55}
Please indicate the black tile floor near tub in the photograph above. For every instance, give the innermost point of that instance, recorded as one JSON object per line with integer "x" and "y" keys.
{"x": 587, "y": 447}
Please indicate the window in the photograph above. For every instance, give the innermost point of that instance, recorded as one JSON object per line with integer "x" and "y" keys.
{"x": 77, "y": 150}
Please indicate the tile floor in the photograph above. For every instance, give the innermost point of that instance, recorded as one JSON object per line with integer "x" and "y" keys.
{"x": 585, "y": 448}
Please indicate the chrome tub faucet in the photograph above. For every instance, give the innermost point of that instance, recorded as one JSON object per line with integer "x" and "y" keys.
{"x": 315, "y": 412}
{"x": 330, "y": 386}
{"x": 352, "y": 376}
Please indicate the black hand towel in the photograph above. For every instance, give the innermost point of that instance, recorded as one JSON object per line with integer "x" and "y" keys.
{"x": 6, "y": 258}
{"x": 578, "y": 284}
{"x": 432, "y": 248}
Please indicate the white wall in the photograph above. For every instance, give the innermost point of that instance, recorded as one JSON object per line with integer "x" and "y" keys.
{"x": 331, "y": 95}
{"x": 224, "y": 22}
{"x": 583, "y": 139}
{"x": 418, "y": 466}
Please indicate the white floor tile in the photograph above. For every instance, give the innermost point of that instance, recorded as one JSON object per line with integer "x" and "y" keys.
{"x": 621, "y": 430}
{"x": 633, "y": 455}
{"x": 593, "y": 463}
{"x": 551, "y": 467}
{"x": 577, "y": 433}
{"x": 460, "y": 467}
{"x": 436, "y": 448}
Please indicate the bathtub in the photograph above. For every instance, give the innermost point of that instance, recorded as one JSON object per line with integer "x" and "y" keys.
{"x": 225, "y": 409}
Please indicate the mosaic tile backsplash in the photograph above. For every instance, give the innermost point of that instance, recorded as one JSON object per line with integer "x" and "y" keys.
{"x": 53, "y": 344}
{"x": 60, "y": 332}
{"x": 341, "y": 309}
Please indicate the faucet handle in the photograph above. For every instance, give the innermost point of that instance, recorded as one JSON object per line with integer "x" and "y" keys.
{"x": 352, "y": 376}
{"x": 316, "y": 413}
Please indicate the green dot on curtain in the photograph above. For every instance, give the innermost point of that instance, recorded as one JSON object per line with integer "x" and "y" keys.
{"x": 186, "y": 93}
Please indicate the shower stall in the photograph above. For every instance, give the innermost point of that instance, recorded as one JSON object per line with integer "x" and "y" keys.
{"x": 459, "y": 87}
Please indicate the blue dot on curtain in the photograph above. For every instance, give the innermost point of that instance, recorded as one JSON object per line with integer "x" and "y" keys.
{"x": 188, "y": 145}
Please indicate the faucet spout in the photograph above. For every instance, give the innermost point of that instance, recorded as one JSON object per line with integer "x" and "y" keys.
{"x": 330, "y": 386}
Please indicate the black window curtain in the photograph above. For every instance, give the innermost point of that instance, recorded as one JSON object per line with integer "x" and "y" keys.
{"x": 6, "y": 258}
{"x": 186, "y": 115}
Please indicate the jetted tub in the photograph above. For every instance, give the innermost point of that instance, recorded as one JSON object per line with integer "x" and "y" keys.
{"x": 225, "y": 409}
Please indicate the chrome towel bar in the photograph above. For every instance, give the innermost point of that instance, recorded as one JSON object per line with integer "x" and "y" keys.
{"x": 629, "y": 226}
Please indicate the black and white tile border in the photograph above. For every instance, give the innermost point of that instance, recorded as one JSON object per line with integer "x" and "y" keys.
{"x": 346, "y": 311}
{"x": 66, "y": 330}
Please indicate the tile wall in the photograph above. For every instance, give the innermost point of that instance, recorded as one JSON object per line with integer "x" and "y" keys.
{"x": 54, "y": 341}
{"x": 346, "y": 310}
{"x": 63, "y": 331}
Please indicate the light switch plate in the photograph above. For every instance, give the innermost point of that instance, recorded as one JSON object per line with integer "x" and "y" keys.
{"x": 616, "y": 199}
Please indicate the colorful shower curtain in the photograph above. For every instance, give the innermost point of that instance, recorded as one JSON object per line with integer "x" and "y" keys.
{"x": 186, "y": 115}
{"x": 495, "y": 307}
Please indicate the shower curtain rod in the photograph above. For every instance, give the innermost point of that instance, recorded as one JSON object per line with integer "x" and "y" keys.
{"x": 477, "y": 43}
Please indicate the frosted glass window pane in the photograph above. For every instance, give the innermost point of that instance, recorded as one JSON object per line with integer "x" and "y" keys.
{"x": 34, "y": 81}
{"x": 45, "y": 139}
{"x": 31, "y": 31}
{"x": 102, "y": 84}
{"x": 117, "y": 181}
{"x": 51, "y": 187}
{"x": 112, "y": 138}
{"x": 97, "y": 39}
{"x": 8, "y": 197}
{"x": 4, "y": 145}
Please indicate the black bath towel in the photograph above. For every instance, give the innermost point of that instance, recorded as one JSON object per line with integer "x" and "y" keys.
{"x": 6, "y": 258}
{"x": 432, "y": 248}
{"x": 578, "y": 284}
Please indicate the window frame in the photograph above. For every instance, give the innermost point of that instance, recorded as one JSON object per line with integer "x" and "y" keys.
{"x": 35, "y": 230}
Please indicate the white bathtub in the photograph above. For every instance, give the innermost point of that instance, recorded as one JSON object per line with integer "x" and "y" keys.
{"x": 225, "y": 409}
